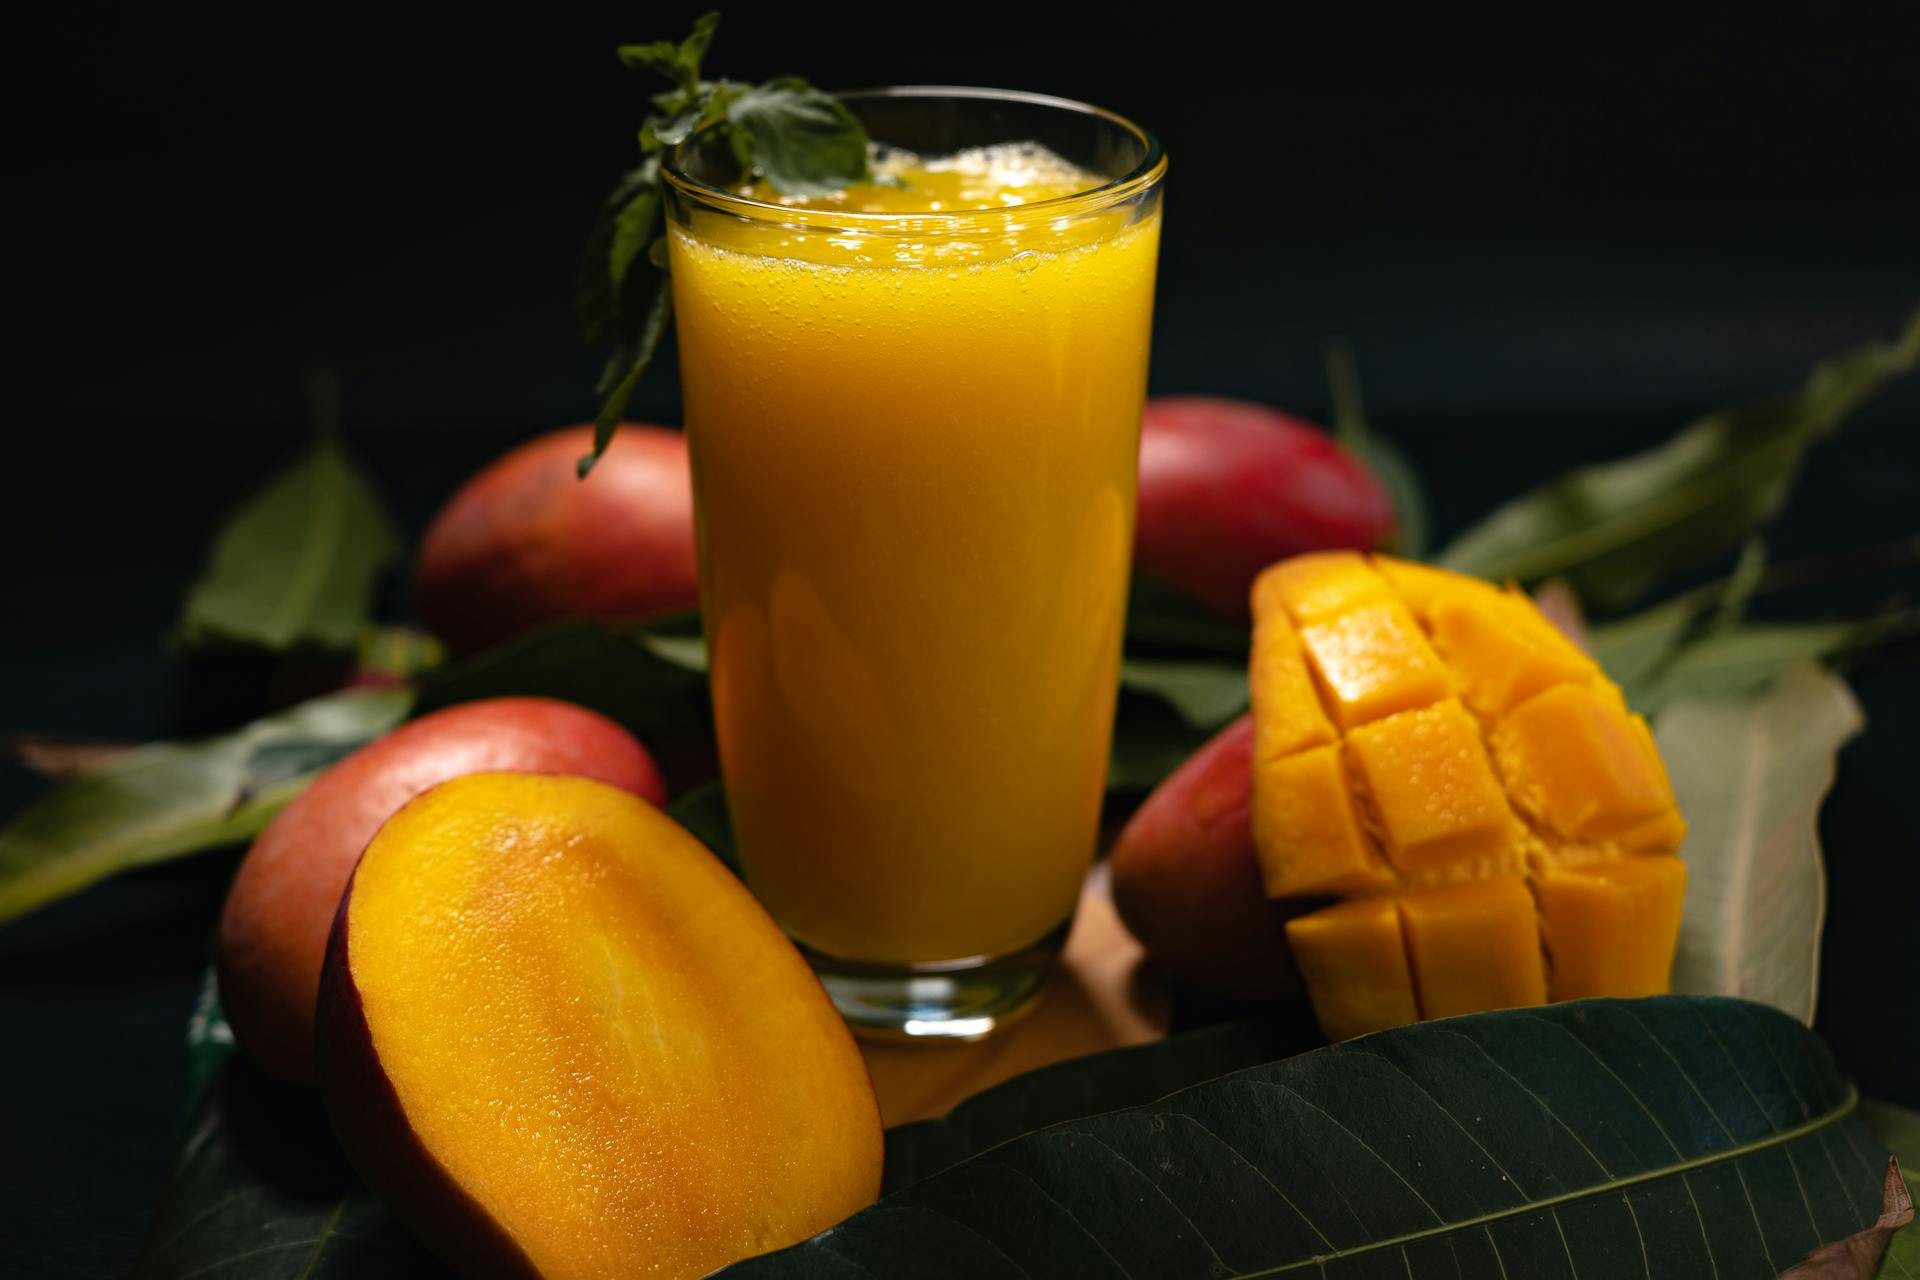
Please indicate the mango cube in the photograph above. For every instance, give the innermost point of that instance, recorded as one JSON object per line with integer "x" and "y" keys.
{"x": 1354, "y": 960}
{"x": 1287, "y": 715}
{"x": 1435, "y": 792}
{"x": 1307, "y": 827}
{"x": 1419, "y": 585}
{"x": 1474, "y": 946}
{"x": 1610, "y": 928}
{"x": 1501, "y": 649}
{"x": 1320, "y": 584}
{"x": 1373, "y": 662}
{"x": 1577, "y": 762}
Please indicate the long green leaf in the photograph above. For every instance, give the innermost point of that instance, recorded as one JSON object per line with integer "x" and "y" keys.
{"x": 1750, "y": 776}
{"x": 1617, "y": 529}
{"x": 1595, "y": 1139}
{"x": 174, "y": 798}
{"x": 297, "y": 563}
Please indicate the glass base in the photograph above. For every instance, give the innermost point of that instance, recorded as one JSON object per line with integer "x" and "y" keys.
{"x": 953, "y": 1000}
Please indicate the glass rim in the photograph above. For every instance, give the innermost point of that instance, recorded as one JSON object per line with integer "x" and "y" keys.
{"x": 1142, "y": 177}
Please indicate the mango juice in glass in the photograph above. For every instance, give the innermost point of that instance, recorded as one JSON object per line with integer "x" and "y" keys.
{"x": 914, "y": 412}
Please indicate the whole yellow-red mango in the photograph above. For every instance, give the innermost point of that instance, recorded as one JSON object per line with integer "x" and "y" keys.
{"x": 273, "y": 930}
{"x": 527, "y": 541}
{"x": 1187, "y": 883}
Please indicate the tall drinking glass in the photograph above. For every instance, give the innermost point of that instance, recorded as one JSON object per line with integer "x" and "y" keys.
{"x": 914, "y": 440}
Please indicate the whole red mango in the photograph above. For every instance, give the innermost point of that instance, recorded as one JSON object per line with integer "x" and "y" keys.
{"x": 1187, "y": 882}
{"x": 1228, "y": 487}
{"x": 526, "y": 541}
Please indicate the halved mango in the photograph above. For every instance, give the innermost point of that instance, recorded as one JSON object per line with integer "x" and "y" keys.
{"x": 562, "y": 1040}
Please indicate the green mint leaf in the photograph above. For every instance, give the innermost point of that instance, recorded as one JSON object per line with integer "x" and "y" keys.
{"x": 297, "y": 563}
{"x": 628, "y": 362}
{"x": 693, "y": 50}
{"x": 634, "y": 228}
{"x": 597, "y": 304}
{"x": 663, "y": 58}
{"x": 803, "y": 141}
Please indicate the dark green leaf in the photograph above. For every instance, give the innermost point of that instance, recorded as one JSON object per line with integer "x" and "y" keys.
{"x": 296, "y": 565}
{"x": 1206, "y": 694}
{"x": 649, "y": 683}
{"x": 805, "y": 142}
{"x": 1615, "y": 530}
{"x": 1086, "y": 1086}
{"x": 703, "y": 812}
{"x": 260, "y": 1191}
{"x": 1150, "y": 740}
{"x": 174, "y": 798}
{"x": 1161, "y": 618}
{"x": 1587, "y": 1139}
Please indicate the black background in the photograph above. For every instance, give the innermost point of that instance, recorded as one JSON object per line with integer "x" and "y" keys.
{"x": 1550, "y": 235}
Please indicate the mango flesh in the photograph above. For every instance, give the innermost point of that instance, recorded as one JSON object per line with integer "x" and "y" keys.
{"x": 1431, "y": 743}
{"x": 562, "y": 1040}
{"x": 274, "y": 925}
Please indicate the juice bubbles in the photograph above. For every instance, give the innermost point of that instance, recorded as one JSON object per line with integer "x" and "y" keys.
{"x": 914, "y": 443}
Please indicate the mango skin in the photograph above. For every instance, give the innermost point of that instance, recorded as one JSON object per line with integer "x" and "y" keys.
{"x": 526, "y": 541}
{"x": 273, "y": 928}
{"x": 1186, "y": 880}
{"x": 1227, "y": 487}
{"x": 805, "y": 1051}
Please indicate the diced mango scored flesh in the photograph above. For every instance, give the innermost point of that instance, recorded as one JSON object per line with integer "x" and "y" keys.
{"x": 1319, "y": 836}
{"x": 1430, "y": 747}
{"x": 1611, "y": 927}
{"x": 1438, "y": 801}
{"x": 1354, "y": 959}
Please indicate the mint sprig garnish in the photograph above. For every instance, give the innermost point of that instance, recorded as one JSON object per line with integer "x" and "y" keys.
{"x": 801, "y": 140}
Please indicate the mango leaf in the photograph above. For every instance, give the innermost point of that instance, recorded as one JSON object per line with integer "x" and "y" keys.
{"x": 170, "y": 799}
{"x": 260, "y": 1191}
{"x": 654, "y": 684}
{"x": 1747, "y": 660}
{"x": 1411, "y": 525}
{"x": 1161, "y": 618}
{"x": 297, "y": 563}
{"x": 1616, "y": 529}
{"x": 1087, "y": 1086}
{"x": 1205, "y": 694}
{"x": 1750, "y": 776}
{"x": 1594, "y": 1139}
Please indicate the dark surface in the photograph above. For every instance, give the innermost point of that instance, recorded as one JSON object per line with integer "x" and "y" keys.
{"x": 1548, "y": 243}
